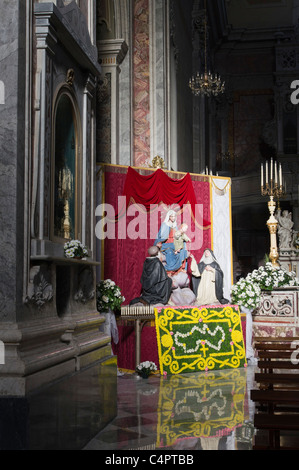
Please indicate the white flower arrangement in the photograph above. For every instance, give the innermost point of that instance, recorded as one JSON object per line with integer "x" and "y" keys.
{"x": 109, "y": 296}
{"x": 144, "y": 369}
{"x": 247, "y": 291}
{"x": 75, "y": 249}
{"x": 269, "y": 277}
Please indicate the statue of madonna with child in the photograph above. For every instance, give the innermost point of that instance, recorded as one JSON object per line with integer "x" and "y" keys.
{"x": 165, "y": 280}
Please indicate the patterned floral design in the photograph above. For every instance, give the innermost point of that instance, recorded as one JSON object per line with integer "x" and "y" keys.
{"x": 199, "y": 339}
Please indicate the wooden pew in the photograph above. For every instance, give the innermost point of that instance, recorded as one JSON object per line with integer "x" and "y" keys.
{"x": 281, "y": 381}
{"x": 275, "y": 354}
{"x": 270, "y": 365}
{"x": 268, "y": 346}
{"x": 277, "y": 399}
{"x": 275, "y": 396}
{"x": 274, "y": 424}
{"x": 275, "y": 340}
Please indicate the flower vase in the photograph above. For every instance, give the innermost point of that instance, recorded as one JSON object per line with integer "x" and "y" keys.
{"x": 109, "y": 327}
{"x": 249, "y": 334}
{"x": 143, "y": 375}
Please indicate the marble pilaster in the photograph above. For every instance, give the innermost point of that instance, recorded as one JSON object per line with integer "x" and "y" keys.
{"x": 111, "y": 54}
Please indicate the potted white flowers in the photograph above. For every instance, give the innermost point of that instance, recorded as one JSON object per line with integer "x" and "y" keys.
{"x": 109, "y": 296}
{"x": 75, "y": 249}
{"x": 145, "y": 369}
{"x": 246, "y": 294}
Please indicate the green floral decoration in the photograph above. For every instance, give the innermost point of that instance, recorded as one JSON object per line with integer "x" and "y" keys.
{"x": 247, "y": 291}
{"x": 109, "y": 296}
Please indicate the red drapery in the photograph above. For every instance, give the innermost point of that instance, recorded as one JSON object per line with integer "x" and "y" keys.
{"x": 123, "y": 257}
{"x": 158, "y": 187}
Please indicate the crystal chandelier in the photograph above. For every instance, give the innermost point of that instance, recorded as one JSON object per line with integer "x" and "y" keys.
{"x": 206, "y": 84}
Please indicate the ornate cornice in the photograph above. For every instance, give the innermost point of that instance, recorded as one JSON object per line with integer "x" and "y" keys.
{"x": 66, "y": 24}
{"x": 112, "y": 51}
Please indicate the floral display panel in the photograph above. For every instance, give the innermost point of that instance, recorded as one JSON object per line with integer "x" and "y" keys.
{"x": 193, "y": 339}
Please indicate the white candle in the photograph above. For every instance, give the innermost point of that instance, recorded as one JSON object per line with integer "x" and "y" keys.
{"x": 271, "y": 173}
{"x": 267, "y": 176}
{"x": 280, "y": 175}
{"x": 276, "y": 178}
{"x": 262, "y": 175}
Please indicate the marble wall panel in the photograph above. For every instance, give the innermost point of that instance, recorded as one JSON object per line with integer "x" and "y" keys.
{"x": 141, "y": 70}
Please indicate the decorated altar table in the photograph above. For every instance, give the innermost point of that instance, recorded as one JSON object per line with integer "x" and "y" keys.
{"x": 182, "y": 339}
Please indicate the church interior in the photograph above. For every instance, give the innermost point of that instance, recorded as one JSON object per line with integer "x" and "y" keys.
{"x": 149, "y": 184}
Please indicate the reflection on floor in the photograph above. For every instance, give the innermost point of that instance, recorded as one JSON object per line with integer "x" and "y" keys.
{"x": 201, "y": 411}
{"x": 64, "y": 415}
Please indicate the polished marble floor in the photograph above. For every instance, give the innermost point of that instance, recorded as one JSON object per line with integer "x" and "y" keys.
{"x": 188, "y": 412}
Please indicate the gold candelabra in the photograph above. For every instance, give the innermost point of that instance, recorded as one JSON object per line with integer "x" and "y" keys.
{"x": 272, "y": 186}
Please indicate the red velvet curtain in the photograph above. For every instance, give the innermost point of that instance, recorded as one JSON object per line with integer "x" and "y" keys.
{"x": 158, "y": 187}
{"x": 123, "y": 257}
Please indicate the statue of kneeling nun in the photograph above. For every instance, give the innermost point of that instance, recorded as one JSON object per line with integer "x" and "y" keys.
{"x": 207, "y": 280}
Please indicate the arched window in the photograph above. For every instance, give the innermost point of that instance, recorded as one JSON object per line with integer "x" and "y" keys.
{"x": 66, "y": 168}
